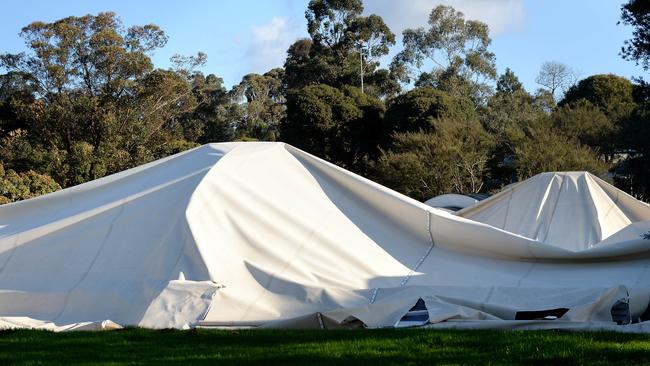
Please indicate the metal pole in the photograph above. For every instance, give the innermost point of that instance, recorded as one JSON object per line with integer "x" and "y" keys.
{"x": 361, "y": 66}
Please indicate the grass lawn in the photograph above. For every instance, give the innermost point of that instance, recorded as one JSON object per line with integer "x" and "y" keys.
{"x": 353, "y": 347}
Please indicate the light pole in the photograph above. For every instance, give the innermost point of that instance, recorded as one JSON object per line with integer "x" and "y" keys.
{"x": 361, "y": 66}
{"x": 361, "y": 63}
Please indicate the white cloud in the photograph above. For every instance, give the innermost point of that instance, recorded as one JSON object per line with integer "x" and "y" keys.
{"x": 270, "y": 44}
{"x": 500, "y": 15}
{"x": 271, "y": 32}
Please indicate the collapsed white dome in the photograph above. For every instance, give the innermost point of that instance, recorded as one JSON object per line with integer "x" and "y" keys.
{"x": 263, "y": 234}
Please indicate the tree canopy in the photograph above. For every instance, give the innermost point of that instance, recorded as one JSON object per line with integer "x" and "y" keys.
{"x": 341, "y": 126}
{"x": 456, "y": 49}
{"x": 85, "y": 100}
{"x": 417, "y": 109}
{"x": 452, "y": 158}
{"x": 637, "y": 14}
{"x": 97, "y": 97}
{"x": 613, "y": 95}
{"x": 343, "y": 49}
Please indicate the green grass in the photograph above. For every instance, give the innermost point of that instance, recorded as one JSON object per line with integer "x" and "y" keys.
{"x": 353, "y": 347}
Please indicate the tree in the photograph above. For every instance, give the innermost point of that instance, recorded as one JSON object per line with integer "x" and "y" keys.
{"x": 509, "y": 83}
{"x": 212, "y": 118}
{"x": 456, "y": 48}
{"x": 587, "y": 123}
{"x": 597, "y": 111}
{"x": 343, "y": 49}
{"x": 556, "y": 77}
{"x": 636, "y": 13}
{"x": 511, "y": 106}
{"x": 97, "y": 96}
{"x": 341, "y": 126}
{"x": 337, "y": 27}
{"x": 328, "y": 21}
{"x": 509, "y": 114}
{"x": 262, "y": 104}
{"x": 633, "y": 172}
{"x": 300, "y": 68}
{"x": 548, "y": 151}
{"x": 20, "y": 186}
{"x": 382, "y": 84}
{"x": 15, "y": 91}
{"x": 417, "y": 110}
{"x": 613, "y": 95}
{"x": 451, "y": 159}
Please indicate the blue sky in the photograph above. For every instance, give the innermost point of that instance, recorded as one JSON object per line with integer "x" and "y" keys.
{"x": 252, "y": 35}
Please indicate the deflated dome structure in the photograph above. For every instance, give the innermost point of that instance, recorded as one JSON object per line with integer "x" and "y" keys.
{"x": 572, "y": 210}
{"x": 265, "y": 235}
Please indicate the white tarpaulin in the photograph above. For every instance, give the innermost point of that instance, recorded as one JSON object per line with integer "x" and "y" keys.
{"x": 263, "y": 234}
{"x": 572, "y": 210}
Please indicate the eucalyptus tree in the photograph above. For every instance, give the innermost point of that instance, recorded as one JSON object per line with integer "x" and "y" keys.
{"x": 343, "y": 48}
{"x": 261, "y": 99}
{"x": 98, "y": 97}
{"x": 636, "y": 13}
{"x": 211, "y": 119}
{"x": 452, "y": 54}
{"x": 339, "y": 125}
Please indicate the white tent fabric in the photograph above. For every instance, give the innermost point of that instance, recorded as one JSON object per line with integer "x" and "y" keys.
{"x": 29, "y": 323}
{"x": 263, "y": 234}
{"x": 572, "y": 210}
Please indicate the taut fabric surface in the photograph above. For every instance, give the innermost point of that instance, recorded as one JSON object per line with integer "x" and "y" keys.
{"x": 263, "y": 234}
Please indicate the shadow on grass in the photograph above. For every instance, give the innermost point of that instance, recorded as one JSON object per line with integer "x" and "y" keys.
{"x": 355, "y": 347}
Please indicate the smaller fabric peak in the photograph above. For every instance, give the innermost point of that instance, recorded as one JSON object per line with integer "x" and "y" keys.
{"x": 571, "y": 210}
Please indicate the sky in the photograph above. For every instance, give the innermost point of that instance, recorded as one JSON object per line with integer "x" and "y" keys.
{"x": 247, "y": 36}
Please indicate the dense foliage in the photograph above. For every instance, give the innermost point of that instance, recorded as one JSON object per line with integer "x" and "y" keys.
{"x": 19, "y": 186}
{"x": 451, "y": 157}
{"x": 85, "y": 101}
{"x": 340, "y": 125}
{"x": 637, "y": 14}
